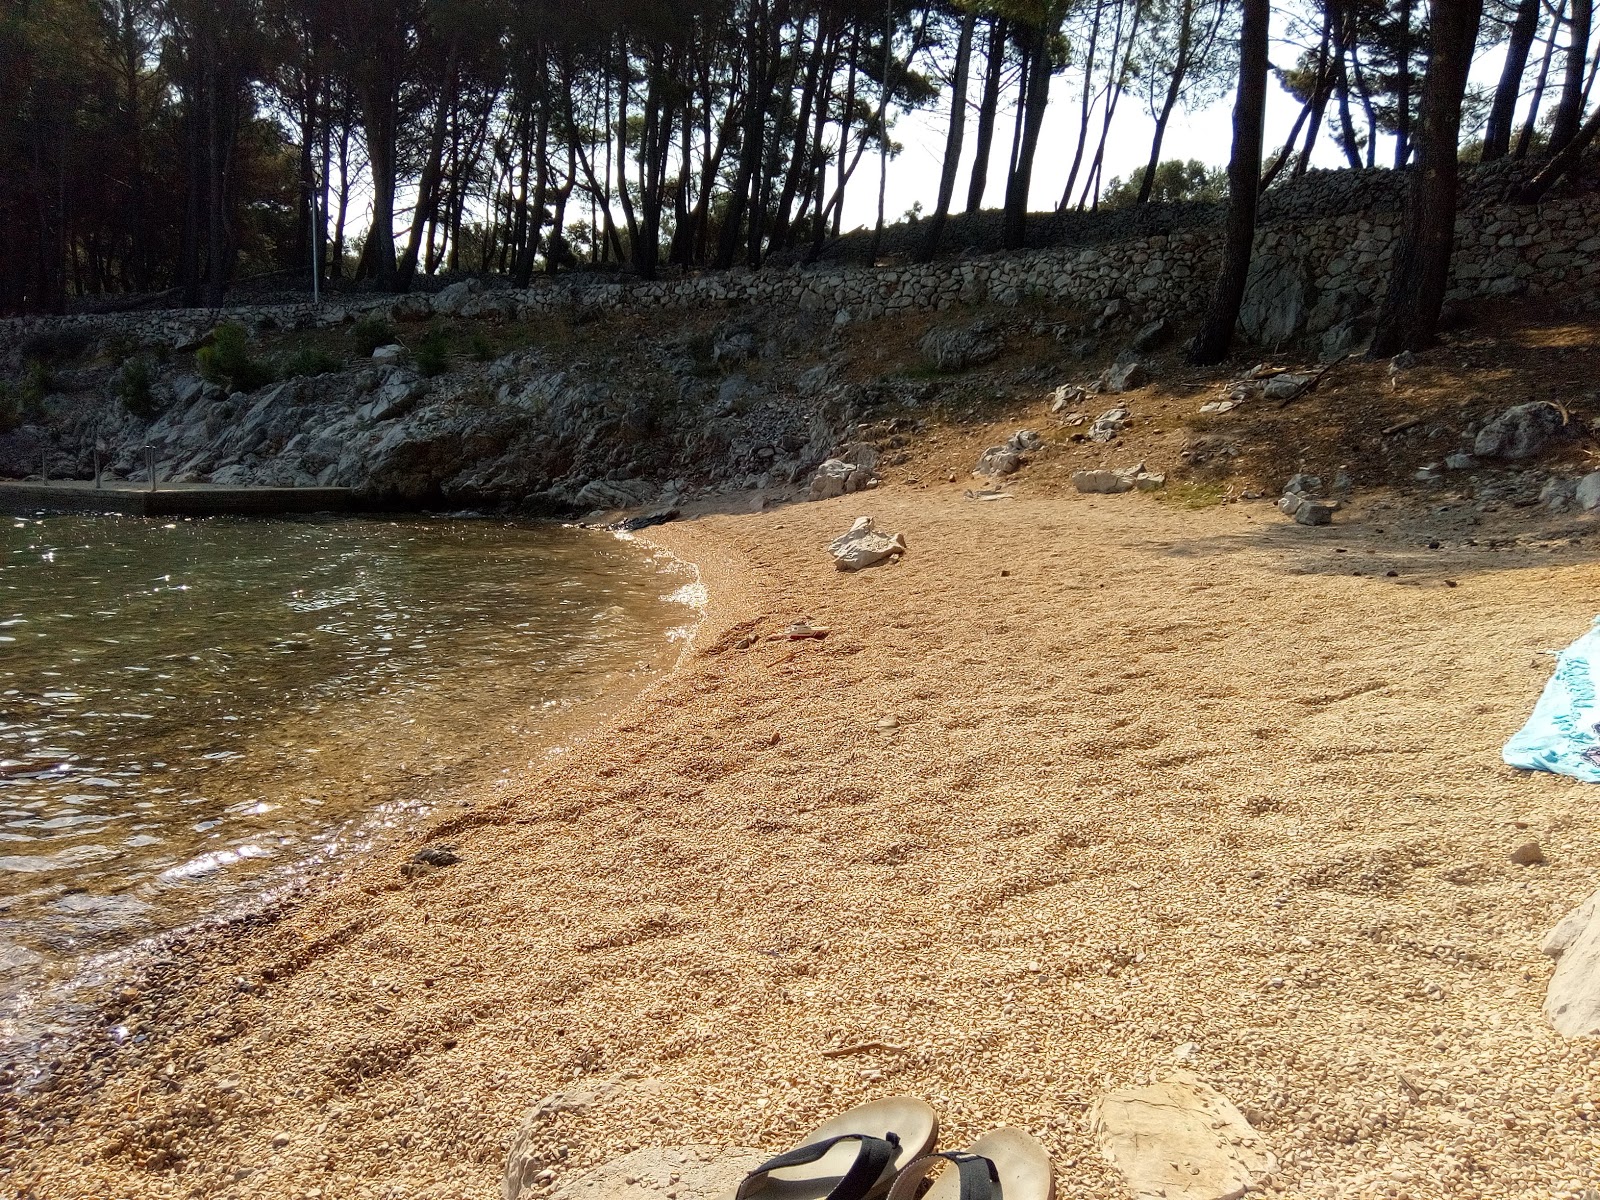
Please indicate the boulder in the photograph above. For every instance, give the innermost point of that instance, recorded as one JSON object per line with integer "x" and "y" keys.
{"x": 1179, "y": 1139}
{"x": 1124, "y": 376}
{"x": 836, "y": 477}
{"x": 863, "y": 546}
{"x": 1102, "y": 482}
{"x": 1109, "y": 424}
{"x": 1520, "y": 432}
{"x": 1587, "y": 494}
{"x": 997, "y": 461}
{"x": 951, "y": 349}
{"x": 1339, "y": 341}
{"x": 1152, "y": 336}
{"x": 1572, "y": 1000}
{"x": 389, "y": 354}
{"x": 1006, "y": 458}
{"x": 1286, "y": 386}
{"x": 1108, "y": 481}
{"x": 1275, "y": 307}
{"x": 1068, "y": 395}
{"x": 654, "y": 1173}
{"x": 452, "y": 299}
{"x": 1299, "y": 501}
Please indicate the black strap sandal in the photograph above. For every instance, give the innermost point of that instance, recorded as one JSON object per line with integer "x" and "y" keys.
{"x": 1006, "y": 1164}
{"x": 855, "y": 1156}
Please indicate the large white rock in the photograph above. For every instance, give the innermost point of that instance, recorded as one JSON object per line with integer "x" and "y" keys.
{"x": 836, "y": 477}
{"x": 1572, "y": 1001}
{"x": 862, "y": 546}
{"x": 1179, "y": 1139}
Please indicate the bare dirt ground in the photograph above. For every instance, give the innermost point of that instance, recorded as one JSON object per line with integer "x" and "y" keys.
{"x": 1162, "y": 785}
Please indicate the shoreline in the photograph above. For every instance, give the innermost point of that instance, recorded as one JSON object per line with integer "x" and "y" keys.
{"x": 1161, "y": 787}
{"x": 60, "y": 1013}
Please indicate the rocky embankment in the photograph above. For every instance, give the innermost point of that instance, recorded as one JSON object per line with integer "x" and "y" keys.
{"x": 750, "y": 403}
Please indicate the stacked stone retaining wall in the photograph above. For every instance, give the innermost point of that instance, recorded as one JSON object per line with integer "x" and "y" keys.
{"x": 1308, "y": 276}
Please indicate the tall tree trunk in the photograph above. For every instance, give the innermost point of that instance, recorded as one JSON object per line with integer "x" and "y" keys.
{"x": 1244, "y": 186}
{"x": 1365, "y": 93}
{"x": 883, "y": 124}
{"x": 1402, "y": 91}
{"x": 988, "y": 106}
{"x": 1180, "y": 70}
{"x": 1564, "y": 161}
{"x": 1038, "y": 97}
{"x": 1085, "y": 106}
{"x": 1289, "y": 144}
{"x": 751, "y": 143}
{"x": 1115, "y": 88}
{"x": 1530, "y": 124}
{"x": 1409, "y": 317}
{"x": 1502, "y": 113}
{"x": 1347, "y": 127}
{"x": 952, "y": 141}
{"x": 1569, "y": 108}
{"x": 428, "y": 188}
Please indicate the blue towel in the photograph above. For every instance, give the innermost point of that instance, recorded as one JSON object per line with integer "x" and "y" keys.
{"x": 1563, "y": 734}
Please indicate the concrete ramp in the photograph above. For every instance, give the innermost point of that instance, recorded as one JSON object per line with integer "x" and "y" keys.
{"x": 175, "y": 500}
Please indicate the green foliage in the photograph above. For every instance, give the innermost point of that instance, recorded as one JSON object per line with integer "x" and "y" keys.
{"x": 1175, "y": 180}
{"x": 433, "y": 353}
{"x": 370, "y": 332}
{"x": 308, "y": 360}
{"x": 227, "y": 361}
{"x": 36, "y": 387}
{"x": 482, "y": 348}
{"x": 20, "y": 402}
{"x": 135, "y": 388}
{"x": 10, "y": 407}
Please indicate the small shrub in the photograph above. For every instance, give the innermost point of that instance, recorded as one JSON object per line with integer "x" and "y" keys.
{"x": 483, "y": 349}
{"x": 227, "y": 363}
{"x": 36, "y": 387}
{"x": 56, "y": 345}
{"x": 369, "y": 333}
{"x": 135, "y": 390}
{"x": 433, "y": 353}
{"x": 10, "y": 408}
{"x": 308, "y": 360}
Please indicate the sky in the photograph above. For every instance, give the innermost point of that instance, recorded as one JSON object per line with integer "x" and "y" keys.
{"x": 1205, "y": 134}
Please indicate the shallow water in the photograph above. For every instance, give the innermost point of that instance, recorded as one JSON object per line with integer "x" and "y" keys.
{"x": 191, "y": 710}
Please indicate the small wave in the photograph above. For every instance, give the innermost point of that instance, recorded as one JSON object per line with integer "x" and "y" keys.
{"x": 211, "y": 862}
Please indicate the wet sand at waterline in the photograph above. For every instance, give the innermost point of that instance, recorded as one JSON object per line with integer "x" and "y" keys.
{"x": 1154, "y": 779}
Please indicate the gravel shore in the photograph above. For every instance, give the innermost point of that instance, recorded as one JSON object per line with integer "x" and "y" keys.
{"x": 1080, "y": 790}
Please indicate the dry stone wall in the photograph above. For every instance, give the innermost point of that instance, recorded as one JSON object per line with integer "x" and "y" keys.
{"x": 1310, "y": 278}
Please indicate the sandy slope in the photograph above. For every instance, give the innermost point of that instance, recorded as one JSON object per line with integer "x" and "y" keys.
{"x": 1159, "y": 778}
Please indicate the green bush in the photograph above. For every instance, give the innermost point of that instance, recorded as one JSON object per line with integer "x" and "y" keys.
{"x": 1175, "y": 180}
{"x": 369, "y": 333}
{"x": 226, "y": 361}
{"x": 433, "y": 353}
{"x": 482, "y": 348}
{"x": 36, "y": 387}
{"x": 307, "y": 361}
{"x": 10, "y": 408}
{"x": 135, "y": 389}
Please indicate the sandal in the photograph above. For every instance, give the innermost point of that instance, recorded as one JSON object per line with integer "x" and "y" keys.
{"x": 1006, "y": 1163}
{"x": 855, "y": 1156}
